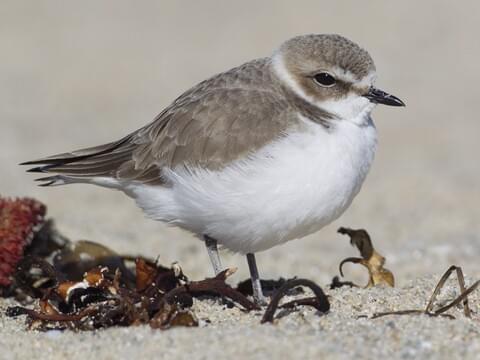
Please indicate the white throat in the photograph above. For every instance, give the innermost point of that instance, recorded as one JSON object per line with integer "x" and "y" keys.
{"x": 355, "y": 109}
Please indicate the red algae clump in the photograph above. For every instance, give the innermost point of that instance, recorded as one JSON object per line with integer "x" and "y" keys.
{"x": 19, "y": 219}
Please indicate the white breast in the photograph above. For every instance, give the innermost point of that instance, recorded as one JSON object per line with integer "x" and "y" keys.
{"x": 287, "y": 190}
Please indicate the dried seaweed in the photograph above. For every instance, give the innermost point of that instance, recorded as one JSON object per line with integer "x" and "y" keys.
{"x": 269, "y": 287}
{"x": 429, "y": 309}
{"x": 371, "y": 259}
{"x": 161, "y": 296}
{"x": 214, "y": 286}
{"x": 378, "y": 275}
{"x": 319, "y": 301}
{"x": 100, "y": 300}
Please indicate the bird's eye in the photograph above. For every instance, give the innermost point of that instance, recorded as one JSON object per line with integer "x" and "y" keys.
{"x": 324, "y": 79}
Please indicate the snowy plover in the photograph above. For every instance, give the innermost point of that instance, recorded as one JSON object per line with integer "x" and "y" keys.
{"x": 261, "y": 154}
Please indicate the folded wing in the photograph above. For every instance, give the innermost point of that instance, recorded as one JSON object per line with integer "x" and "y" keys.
{"x": 216, "y": 122}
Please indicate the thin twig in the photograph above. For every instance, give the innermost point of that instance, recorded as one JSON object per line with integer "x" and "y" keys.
{"x": 461, "y": 282}
{"x": 438, "y": 288}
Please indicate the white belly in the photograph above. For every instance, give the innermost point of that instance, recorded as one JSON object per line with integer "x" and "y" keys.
{"x": 287, "y": 190}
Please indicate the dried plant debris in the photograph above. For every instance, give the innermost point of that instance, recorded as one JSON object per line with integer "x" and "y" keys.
{"x": 319, "y": 301}
{"x": 370, "y": 258}
{"x": 161, "y": 297}
{"x": 84, "y": 285}
{"x": 378, "y": 275}
{"x": 429, "y": 310}
{"x": 269, "y": 287}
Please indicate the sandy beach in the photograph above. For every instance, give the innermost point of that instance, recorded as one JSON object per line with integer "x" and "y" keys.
{"x": 77, "y": 75}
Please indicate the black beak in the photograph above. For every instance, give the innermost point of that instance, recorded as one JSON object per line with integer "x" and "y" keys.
{"x": 378, "y": 96}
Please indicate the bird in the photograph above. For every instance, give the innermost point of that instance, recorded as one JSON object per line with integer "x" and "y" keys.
{"x": 261, "y": 154}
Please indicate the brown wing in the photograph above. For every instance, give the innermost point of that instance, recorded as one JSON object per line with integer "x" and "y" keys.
{"x": 214, "y": 123}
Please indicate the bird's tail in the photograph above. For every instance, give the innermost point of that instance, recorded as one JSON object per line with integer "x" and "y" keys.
{"x": 82, "y": 165}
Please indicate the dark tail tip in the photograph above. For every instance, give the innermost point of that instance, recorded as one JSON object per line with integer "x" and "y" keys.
{"x": 27, "y": 163}
{"x": 39, "y": 169}
{"x": 50, "y": 180}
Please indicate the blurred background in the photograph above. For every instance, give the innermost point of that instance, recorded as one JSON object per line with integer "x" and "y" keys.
{"x": 77, "y": 74}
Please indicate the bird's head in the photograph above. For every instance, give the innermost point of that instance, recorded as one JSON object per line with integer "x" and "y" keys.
{"x": 331, "y": 72}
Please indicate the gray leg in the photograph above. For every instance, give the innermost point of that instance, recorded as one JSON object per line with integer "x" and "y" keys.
{"x": 256, "y": 285}
{"x": 212, "y": 250}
